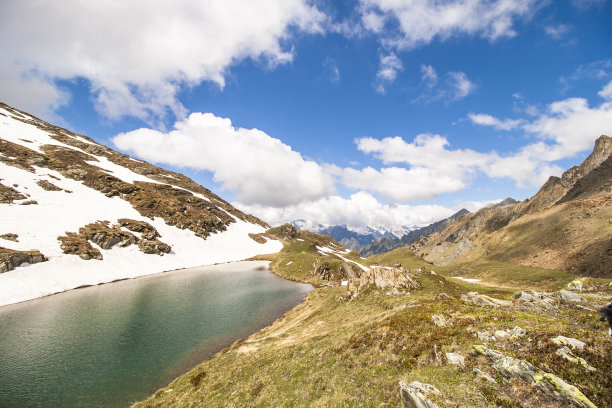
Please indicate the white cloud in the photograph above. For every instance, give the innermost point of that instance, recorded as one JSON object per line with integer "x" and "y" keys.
{"x": 455, "y": 86}
{"x": 606, "y": 92}
{"x": 389, "y": 65}
{"x": 567, "y": 128}
{"x": 30, "y": 91}
{"x": 461, "y": 86}
{"x": 557, "y": 32}
{"x": 137, "y": 58}
{"x": 399, "y": 184}
{"x": 419, "y": 22}
{"x": 258, "y": 168}
{"x": 429, "y": 75}
{"x": 594, "y": 71}
{"x": 359, "y": 210}
{"x": 488, "y": 120}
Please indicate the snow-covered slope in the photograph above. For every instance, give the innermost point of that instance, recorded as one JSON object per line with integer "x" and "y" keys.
{"x": 69, "y": 198}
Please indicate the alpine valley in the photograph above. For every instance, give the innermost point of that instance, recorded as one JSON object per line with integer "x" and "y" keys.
{"x": 486, "y": 309}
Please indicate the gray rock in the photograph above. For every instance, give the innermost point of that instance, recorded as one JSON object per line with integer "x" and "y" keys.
{"x": 501, "y": 334}
{"x": 484, "y": 375}
{"x": 530, "y": 300}
{"x": 483, "y": 335}
{"x": 439, "y": 320}
{"x": 414, "y": 395}
{"x": 567, "y": 354}
{"x": 455, "y": 359}
{"x": 443, "y": 296}
{"x": 550, "y": 384}
{"x": 474, "y": 298}
{"x": 570, "y": 297}
{"x": 517, "y": 332}
{"x": 568, "y": 341}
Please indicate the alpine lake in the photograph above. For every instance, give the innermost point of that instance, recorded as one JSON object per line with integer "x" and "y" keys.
{"x": 114, "y": 344}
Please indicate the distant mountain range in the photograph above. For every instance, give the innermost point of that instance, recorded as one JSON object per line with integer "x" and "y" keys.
{"x": 352, "y": 238}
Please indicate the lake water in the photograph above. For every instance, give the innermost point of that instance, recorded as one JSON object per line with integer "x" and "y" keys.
{"x": 109, "y": 345}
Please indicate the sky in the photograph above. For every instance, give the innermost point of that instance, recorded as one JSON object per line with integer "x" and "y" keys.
{"x": 381, "y": 113}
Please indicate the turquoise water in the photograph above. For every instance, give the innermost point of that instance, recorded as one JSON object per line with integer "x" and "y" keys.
{"x": 109, "y": 345}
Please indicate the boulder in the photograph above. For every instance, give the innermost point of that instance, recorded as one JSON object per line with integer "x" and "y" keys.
{"x": 570, "y": 297}
{"x": 568, "y": 341}
{"x": 474, "y": 298}
{"x": 414, "y": 395}
{"x": 455, "y": 359}
{"x": 530, "y": 300}
{"x": 439, "y": 320}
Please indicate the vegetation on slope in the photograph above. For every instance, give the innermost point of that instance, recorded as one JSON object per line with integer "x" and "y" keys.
{"x": 332, "y": 351}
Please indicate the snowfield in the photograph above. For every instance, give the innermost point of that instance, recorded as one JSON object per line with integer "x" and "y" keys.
{"x": 58, "y": 212}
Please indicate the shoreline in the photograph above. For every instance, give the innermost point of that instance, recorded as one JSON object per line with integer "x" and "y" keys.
{"x": 137, "y": 276}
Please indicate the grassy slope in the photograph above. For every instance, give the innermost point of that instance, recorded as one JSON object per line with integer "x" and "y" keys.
{"x": 328, "y": 351}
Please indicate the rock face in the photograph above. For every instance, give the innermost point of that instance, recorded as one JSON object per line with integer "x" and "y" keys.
{"x": 414, "y": 394}
{"x": 10, "y": 259}
{"x": 334, "y": 270}
{"x": 106, "y": 236}
{"x": 555, "y": 387}
{"x": 392, "y": 280}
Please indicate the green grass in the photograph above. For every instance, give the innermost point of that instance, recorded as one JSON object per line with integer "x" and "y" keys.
{"x": 510, "y": 276}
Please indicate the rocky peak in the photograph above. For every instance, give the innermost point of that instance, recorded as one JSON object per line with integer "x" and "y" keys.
{"x": 601, "y": 152}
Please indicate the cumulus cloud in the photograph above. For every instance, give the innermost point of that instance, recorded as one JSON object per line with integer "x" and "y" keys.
{"x": 389, "y": 66}
{"x": 359, "y": 210}
{"x": 412, "y": 23}
{"x": 399, "y": 184}
{"x": 566, "y": 128}
{"x": 138, "y": 58}
{"x": 258, "y": 168}
{"x": 488, "y": 120}
{"x": 453, "y": 86}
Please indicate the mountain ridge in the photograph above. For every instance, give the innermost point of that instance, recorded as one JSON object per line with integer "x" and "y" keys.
{"x": 571, "y": 213}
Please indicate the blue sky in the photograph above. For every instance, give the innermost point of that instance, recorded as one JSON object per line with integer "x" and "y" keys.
{"x": 369, "y": 112}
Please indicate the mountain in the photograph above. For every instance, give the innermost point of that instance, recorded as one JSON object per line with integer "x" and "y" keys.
{"x": 75, "y": 212}
{"x": 352, "y": 238}
{"x": 564, "y": 226}
{"x": 388, "y": 243}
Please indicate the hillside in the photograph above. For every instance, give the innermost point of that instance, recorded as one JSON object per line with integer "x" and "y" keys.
{"x": 565, "y": 226}
{"x": 74, "y": 213}
{"x": 396, "y": 335}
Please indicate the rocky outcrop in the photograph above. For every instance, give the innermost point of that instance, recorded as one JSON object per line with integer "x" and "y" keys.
{"x": 391, "y": 280}
{"x": 474, "y": 298}
{"x": 107, "y": 236}
{"x": 576, "y": 182}
{"x": 553, "y": 386}
{"x": 414, "y": 395}
{"x": 332, "y": 269}
{"x": 48, "y": 186}
{"x": 8, "y": 195}
{"x": 10, "y": 259}
{"x": 10, "y": 237}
